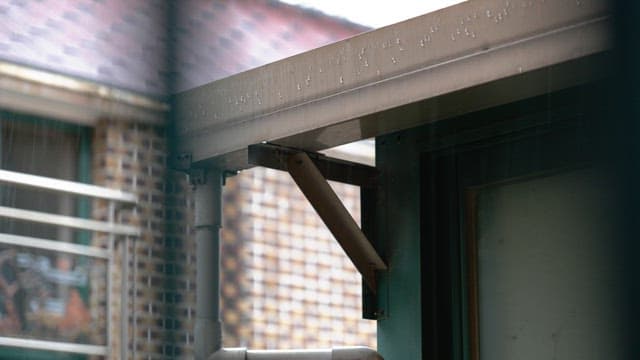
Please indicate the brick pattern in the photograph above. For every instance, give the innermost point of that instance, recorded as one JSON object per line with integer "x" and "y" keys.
{"x": 215, "y": 39}
{"x": 131, "y": 157}
{"x": 286, "y": 283}
{"x": 302, "y": 290}
{"x": 121, "y": 43}
{"x": 149, "y": 46}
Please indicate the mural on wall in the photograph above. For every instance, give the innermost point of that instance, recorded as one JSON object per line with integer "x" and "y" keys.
{"x": 45, "y": 295}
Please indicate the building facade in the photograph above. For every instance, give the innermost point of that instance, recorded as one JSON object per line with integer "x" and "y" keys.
{"x": 85, "y": 96}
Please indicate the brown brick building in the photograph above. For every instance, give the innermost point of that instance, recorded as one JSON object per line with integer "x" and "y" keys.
{"x": 85, "y": 96}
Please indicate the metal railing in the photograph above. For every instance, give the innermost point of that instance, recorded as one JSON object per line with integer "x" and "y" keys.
{"x": 111, "y": 227}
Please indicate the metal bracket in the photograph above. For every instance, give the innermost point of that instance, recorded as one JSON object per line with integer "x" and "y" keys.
{"x": 276, "y": 157}
{"x": 197, "y": 176}
{"x": 311, "y": 177}
{"x": 182, "y": 161}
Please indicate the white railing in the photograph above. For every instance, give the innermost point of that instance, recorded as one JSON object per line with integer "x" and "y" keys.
{"x": 111, "y": 227}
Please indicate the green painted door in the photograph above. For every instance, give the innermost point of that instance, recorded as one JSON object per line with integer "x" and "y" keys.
{"x": 519, "y": 254}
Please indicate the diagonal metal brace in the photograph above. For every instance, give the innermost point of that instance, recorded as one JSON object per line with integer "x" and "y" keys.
{"x": 331, "y": 210}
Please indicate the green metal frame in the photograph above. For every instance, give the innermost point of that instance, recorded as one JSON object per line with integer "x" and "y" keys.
{"x": 406, "y": 185}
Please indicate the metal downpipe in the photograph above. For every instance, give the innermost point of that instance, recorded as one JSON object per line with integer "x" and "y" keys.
{"x": 208, "y": 327}
{"x": 208, "y": 220}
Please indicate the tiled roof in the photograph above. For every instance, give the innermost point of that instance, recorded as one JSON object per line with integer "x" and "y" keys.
{"x": 124, "y": 43}
{"x": 116, "y": 42}
{"x": 220, "y": 38}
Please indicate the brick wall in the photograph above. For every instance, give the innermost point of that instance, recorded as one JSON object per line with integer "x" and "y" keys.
{"x": 131, "y": 157}
{"x": 294, "y": 287}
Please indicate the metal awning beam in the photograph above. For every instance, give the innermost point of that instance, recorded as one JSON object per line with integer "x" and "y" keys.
{"x": 276, "y": 157}
{"x": 464, "y": 58}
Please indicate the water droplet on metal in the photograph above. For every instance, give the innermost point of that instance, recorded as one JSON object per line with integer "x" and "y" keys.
{"x": 520, "y": 69}
{"x": 488, "y": 12}
{"x": 366, "y": 63}
{"x": 298, "y": 86}
{"x": 341, "y": 80}
{"x": 422, "y": 43}
{"x": 394, "y": 60}
{"x": 308, "y": 80}
{"x": 453, "y": 37}
{"x": 279, "y": 95}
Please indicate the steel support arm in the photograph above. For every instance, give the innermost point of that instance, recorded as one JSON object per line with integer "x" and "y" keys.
{"x": 329, "y": 207}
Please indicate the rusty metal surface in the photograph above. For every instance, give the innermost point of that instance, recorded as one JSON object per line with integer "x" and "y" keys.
{"x": 340, "y": 93}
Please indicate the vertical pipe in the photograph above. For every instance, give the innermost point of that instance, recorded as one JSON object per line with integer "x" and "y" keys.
{"x": 110, "y": 240}
{"x": 208, "y": 219}
{"x": 124, "y": 303}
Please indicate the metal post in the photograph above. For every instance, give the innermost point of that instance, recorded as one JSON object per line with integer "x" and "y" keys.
{"x": 110, "y": 239}
{"x": 208, "y": 219}
{"x": 124, "y": 303}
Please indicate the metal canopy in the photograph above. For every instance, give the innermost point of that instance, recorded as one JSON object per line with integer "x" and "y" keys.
{"x": 460, "y": 59}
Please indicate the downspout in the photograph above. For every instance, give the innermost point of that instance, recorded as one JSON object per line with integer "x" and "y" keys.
{"x": 208, "y": 220}
{"x": 208, "y": 327}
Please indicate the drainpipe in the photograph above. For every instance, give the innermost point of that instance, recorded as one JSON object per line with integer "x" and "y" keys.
{"x": 208, "y": 220}
{"x": 208, "y": 327}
